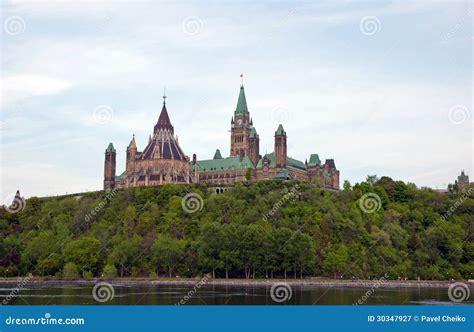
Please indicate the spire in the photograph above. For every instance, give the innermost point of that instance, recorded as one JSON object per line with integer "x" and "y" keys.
{"x": 217, "y": 155}
{"x": 110, "y": 148}
{"x": 280, "y": 130}
{"x": 164, "y": 120}
{"x": 133, "y": 144}
{"x": 164, "y": 96}
{"x": 241, "y": 103}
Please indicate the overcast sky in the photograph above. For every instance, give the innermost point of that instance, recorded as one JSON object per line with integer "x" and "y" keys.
{"x": 382, "y": 87}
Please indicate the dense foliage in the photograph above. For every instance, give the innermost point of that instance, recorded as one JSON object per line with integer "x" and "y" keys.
{"x": 145, "y": 232}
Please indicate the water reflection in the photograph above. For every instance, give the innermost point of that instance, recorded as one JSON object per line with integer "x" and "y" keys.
{"x": 222, "y": 295}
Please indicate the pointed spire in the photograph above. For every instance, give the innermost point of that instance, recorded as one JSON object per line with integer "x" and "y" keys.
{"x": 133, "y": 144}
{"x": 251, "y": 121}
{"x": 164, "y": 120}
{"x": 110, "y": 148}
{"x": 241, "y": 103}
{"x": 280, "y": 130}
{"x": 217, "y": 155}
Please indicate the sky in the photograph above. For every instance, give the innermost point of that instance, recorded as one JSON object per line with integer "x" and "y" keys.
{"x": 384, "y": 88}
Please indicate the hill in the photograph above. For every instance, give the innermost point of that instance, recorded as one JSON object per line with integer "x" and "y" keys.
{"x": 377, "y": 228}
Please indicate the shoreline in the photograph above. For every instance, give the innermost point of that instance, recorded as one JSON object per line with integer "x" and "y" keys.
{"x": 238, "y": 282}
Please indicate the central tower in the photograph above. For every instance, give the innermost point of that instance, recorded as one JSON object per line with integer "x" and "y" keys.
{"x": 240, "y": 127}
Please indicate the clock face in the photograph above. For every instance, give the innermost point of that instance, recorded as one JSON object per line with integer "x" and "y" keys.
{"x": 239, "y": 122}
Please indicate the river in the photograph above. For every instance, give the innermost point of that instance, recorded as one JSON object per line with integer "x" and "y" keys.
{"x": 152, "y": 294}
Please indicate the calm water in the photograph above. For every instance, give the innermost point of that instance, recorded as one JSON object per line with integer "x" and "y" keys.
{"x": 218, "y": 294}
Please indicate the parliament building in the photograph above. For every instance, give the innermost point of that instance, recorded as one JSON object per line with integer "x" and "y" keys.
{"x": 163, "y": 161}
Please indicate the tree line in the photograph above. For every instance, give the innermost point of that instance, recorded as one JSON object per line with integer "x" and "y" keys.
{"x": 145, "y": 232}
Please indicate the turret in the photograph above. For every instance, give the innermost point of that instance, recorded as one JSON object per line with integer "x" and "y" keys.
{"x": 280, "y": 147}
{"x": 131, "y": 154}
{"x": 254, "y": 146}
{"x": 109, "y": 167}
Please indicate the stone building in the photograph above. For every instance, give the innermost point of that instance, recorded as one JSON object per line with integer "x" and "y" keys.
{"x": 163, "y": 161}
{"x": 463, "y": 181}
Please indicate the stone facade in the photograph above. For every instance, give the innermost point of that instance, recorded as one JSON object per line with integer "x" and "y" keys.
{"x": 162, "y": 161}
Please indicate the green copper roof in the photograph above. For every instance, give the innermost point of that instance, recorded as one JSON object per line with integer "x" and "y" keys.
{"x": 217, "y": 155}
{"x": 290, "y": 162}
{"x": 121, "y": 176}
{"x": 295, "y": 163}
{"x": 280, "y": 130}
{"x": 242, "y": 103}
{"x": 463, "y": 177}
{"x": 314, "y": 160}
{"x": 253, "y": 132}
{"x": 228, "y": 163}
{"x": 282, "y": 175}
{"x": 110, "y": 148}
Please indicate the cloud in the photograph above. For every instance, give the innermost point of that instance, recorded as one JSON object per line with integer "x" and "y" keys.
{"x": 21, "y": 87}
